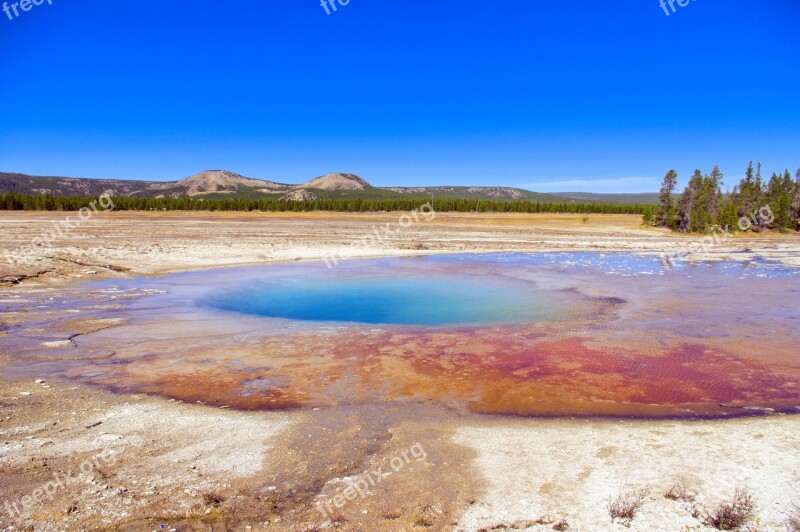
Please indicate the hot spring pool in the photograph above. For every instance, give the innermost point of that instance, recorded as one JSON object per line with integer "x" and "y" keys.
{"x": 543, "y": 334}
{"x": 439, "y": 299}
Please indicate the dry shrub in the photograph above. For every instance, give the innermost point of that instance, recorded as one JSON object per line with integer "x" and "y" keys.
{"x": 338, "y": 520}
{"x": 624, "y": 507}
{"x": 212, "y": 498}
{"x": 392, "y": 515}
{"x": 561, "y": 526}
{"x": 734, "y": 514}
{"x": 679, "y": 492}
{"x": 426, "y": 516}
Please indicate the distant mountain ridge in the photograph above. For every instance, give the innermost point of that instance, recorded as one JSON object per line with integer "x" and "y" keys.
{"x": 642, "y": 198}
{"x": 490, "y": 192}
{"x": 214, "y": 184}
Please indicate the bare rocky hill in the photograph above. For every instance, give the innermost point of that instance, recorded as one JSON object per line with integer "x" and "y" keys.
{"x": 218, "y": 181}
{"x": 336, "y": 182}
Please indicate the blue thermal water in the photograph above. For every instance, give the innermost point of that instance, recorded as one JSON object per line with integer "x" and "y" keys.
{"x": 412, "y": 300}
{"x": 470, "y": 290}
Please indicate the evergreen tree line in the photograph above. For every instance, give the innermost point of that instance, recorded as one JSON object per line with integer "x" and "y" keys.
{"x": 702, "y": 206}
{"x": 12, "y": 201}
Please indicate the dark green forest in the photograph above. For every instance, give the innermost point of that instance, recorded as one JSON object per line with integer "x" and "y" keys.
{"x": 11, "y": 201}
{"x": 754, "y": 204}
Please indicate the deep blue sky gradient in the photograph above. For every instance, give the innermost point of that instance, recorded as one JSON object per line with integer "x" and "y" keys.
{"x": 552, "y": 95}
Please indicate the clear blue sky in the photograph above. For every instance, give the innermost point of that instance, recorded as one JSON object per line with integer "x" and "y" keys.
{"x": 551, "y": 95}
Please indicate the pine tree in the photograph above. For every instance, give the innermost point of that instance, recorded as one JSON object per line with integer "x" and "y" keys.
{"x": 687, "y": 205}
{"x": 701, "y": 204}
{"x": 727, "y": 219}
{"x": 713, "y": 190}
{"x": 665, "y": 216}
{"x": 749, "y": 198}
{"x": 779, "y": 196}
{"x": 796, "y": 202}
{"x": 647, "y": 216}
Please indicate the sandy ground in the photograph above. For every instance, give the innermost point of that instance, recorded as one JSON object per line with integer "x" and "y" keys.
{"x": 78, "y": 458}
